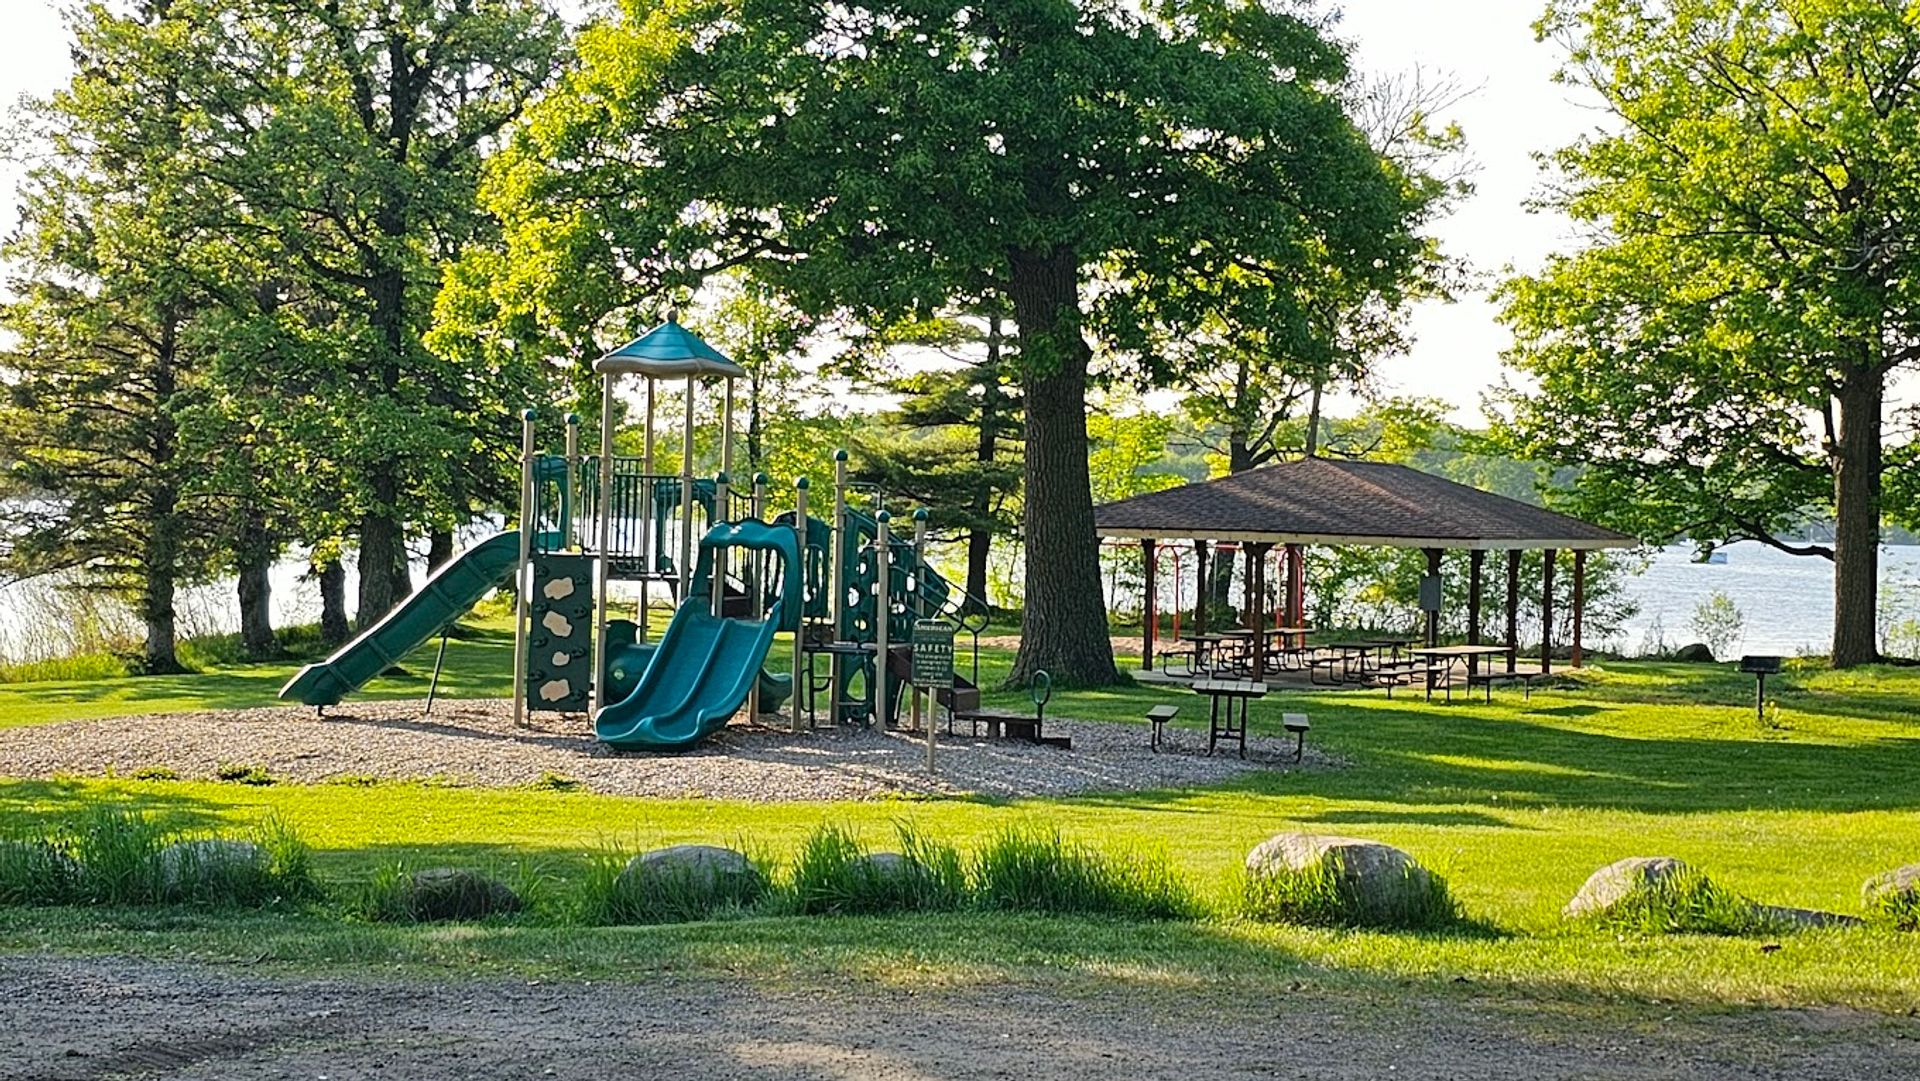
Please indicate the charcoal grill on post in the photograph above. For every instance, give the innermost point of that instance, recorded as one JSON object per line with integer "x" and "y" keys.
{"x": 1761, "y": 667}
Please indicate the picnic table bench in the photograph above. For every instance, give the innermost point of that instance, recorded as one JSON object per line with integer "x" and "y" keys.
{"x": 1488, "y": 679}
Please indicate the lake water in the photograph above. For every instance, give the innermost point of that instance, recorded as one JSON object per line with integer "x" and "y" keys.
{"x": 1786, "y": 601}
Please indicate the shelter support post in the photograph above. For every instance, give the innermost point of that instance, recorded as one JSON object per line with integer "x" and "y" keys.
{"x": 1296, "y": 585}
{"x": 1547, "y": 560}
{"x": 1579, "y": 603}
{"x": 793, "y": 610}
{"x": 1513, "y": 609}
{"x": 1476, "y": 566}
{"x": 1257, "y": 606}
{"x": 1433, "y": 610}
{"x": 1150, "y": 617}
{"x": 1200, "y": 594}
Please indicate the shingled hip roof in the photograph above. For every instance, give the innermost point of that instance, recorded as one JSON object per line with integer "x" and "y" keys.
{"x": 1318, "y": 501}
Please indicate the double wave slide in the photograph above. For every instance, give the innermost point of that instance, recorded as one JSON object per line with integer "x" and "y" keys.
{"x": 446, "y": 596}
{"x": 705, "y": 664}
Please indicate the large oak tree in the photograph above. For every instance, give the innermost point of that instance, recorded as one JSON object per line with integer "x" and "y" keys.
{"x": 877, "y": 159}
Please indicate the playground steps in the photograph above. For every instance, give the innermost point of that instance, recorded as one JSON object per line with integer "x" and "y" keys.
{"x": 962, "y": 699}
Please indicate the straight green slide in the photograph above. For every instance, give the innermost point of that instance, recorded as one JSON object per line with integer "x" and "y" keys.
{"x": 445, "y": 597}
{"x": 705, "y": 664}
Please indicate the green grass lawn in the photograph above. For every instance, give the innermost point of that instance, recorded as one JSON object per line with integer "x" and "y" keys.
{"x": 1516, "y": 802}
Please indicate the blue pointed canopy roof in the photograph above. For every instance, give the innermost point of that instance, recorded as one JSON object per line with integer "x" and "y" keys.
{"x": 668, "y": 350}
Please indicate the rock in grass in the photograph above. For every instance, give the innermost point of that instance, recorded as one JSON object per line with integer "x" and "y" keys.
{"x": 206, "y": 864}
{"x": 1623, "y": 882}
{"x": 1786, "y": 917}
{"x": 684, "y": 881}
{"x": 455, "y": 893}
{"x": 1697, "y": 653}
{"x": 1322, "y": 879}
{"x": 1895, "y": 896}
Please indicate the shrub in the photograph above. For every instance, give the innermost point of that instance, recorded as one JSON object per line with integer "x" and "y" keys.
{"x": 1319, "y": 895}
{"x": 242, "y": 773}
{"x": 1719, "y": 623}
{"x": 1685, "y": 902}
{"x": 1035, "y": 870}
{"x": 834, "y": 875}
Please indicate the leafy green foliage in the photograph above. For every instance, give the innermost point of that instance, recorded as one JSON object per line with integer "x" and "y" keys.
{"x": 112, "y": 855}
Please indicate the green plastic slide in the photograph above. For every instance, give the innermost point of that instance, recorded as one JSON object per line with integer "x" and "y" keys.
{"x": 700, "y": 673}
{"x": 445, "y": 597}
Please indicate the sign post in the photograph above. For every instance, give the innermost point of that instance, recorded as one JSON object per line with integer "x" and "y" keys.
{"x": 933, "y": 668}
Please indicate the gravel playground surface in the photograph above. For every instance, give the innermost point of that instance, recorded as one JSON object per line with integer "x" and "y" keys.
{"x": 476, "y": 743}
{"x": 97, "y": 1018}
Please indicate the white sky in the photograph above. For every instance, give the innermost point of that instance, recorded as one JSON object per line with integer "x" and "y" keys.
{"x": 1487, "y": 44}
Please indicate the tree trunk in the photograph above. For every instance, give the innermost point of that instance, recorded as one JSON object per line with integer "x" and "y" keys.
{"x": 382, "y": 549}
{"x": 1857, "y": 464}
{"x": 1064, "y": 629}
{"x": 439, "y": 549}
{"x": 986, "y": 449}
{"x": 255, "y": 558}
{"x": 160, "y": 562}
{"x": 160, "y": 651}
{"x": 333, "y": 602}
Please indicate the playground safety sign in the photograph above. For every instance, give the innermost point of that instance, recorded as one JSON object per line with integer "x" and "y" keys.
{"x": 933, "y": 653}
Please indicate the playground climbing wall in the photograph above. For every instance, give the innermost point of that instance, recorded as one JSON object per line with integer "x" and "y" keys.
{"x": 560, "y": 640}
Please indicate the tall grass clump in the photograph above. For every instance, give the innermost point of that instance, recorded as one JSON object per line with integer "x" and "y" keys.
{"x": 1685, "y": 902}
{"x": 113, "y": 856}
{"x": 1030, "y": 869}
{"x": 834, "y": 875}
{"x": 1898, "y": 909}
{"x": 37, "y": 871}
{"x": 1319, "y": 895}
{"x": 614, "y": 892}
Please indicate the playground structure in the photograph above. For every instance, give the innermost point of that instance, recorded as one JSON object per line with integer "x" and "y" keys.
{"x": 846, "y": 586}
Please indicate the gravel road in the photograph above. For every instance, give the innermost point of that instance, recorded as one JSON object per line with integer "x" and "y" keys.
{"x": 476, "y": 743}
{"x": 98, "y": 1018}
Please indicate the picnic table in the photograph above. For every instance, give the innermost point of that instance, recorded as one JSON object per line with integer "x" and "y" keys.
{"x": 1444, "y": 659}
{"x": 1349, "y": 656}
{"x": 1227, "y": 710}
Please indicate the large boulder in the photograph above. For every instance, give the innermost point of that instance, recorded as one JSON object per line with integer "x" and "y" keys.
{"x": 1896, "y": 896}
{"x": 1623, "y": 882}
{"x": 687, "y": 881}
{"x": 1321, "y": 878}
{"x": 206, "y": 865}
{"x": 455, "y": 893}
{"x": 1697, "y": 653}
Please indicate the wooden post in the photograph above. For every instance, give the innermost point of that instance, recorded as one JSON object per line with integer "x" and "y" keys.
{"x": 1546, "y": 610}
{"x": 1579, "y": 603}
{"x": 1149, "y": 618}
{"x": 1200, "y": 598}
{"x": 1476, "y": 563}
{"x": 522, "y": 570}
{"x": 603, "y": 523}
{"x": 1257, "y": 606}
{"x": 1513, "y": 609}
{"x": 1433, "y": 614}
{"x": 1296, "y": 585}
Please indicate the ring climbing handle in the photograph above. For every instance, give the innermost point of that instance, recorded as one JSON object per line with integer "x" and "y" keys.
{"x": 1042, "y": 689}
